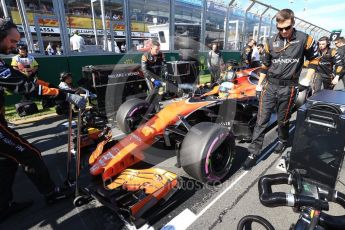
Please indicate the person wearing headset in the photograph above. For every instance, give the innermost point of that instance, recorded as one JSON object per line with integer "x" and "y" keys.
{"x": 24, "y": 62}
{"x": 14, "y": 149}
{"x": 329, "y": 60}
{"x": 66, "y": 82}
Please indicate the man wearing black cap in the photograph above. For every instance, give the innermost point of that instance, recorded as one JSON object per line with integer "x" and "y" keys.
{"x": 24, "y": 62}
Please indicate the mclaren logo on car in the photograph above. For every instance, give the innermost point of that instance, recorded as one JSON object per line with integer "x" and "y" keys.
{"x": 285, "y": 60}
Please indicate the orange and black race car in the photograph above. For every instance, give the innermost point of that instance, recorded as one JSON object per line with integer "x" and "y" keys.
{"x": 201, "y": 127}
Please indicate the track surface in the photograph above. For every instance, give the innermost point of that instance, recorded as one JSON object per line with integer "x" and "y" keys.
{"x": 197, "y": 207}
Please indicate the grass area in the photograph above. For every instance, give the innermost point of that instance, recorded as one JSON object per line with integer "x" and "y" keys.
{"x": 12, "y": 115}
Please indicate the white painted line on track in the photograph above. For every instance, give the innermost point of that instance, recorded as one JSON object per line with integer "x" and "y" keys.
{"x": 189, "y": 220}
{"x": 221, "y": 194}
{"x": 179, "y": 222}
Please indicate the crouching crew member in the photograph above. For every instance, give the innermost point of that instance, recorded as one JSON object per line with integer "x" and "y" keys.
{"x": 14, "y": 149}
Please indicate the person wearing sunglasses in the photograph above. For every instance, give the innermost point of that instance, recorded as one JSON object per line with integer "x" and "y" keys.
{"x": 329, "y": 60}
{"x": 340, "y": 44}
{"x": 282, "y": 64}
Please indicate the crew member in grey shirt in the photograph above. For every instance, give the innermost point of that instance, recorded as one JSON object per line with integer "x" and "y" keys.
{"x": 215, "y": 63}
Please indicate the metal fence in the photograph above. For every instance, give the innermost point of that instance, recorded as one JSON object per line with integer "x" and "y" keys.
{"x": 109, "y": 25}
{"x": 254, "y": 19}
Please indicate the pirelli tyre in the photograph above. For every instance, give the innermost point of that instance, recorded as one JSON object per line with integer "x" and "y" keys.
{"x": 207, "y": 152}
{"x": 130, "y": 114}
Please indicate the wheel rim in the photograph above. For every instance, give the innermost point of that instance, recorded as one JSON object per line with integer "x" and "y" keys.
{"x": 219, "y": 161}
{"x": 135, "y": 117}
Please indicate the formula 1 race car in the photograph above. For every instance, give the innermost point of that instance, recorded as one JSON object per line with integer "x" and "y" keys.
{"x": 182, "y": 123}
{"x": 202, "y": 128}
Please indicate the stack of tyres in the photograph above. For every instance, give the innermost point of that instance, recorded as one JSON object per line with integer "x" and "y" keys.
{"x": 182, "y": 72}
{"x": 318, "y": 147}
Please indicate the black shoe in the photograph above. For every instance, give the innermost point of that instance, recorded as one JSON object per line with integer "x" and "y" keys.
{"x": 250, "y": 162}
{"x": 280, "y": 148}
{"x": 56, "y": 195}
{"x": 13, "y": 208}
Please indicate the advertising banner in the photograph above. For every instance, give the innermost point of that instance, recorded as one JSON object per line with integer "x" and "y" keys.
{"x": 78, "y": 22}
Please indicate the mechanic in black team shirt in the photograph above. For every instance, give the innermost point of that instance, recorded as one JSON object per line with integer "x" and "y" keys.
{"x": 153, "y": 65}
{"x": 329, "y": 60}
{"x": 282, "y": 65}
{"x": 14, "y": 149}
{"x": 340, "y": 44}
